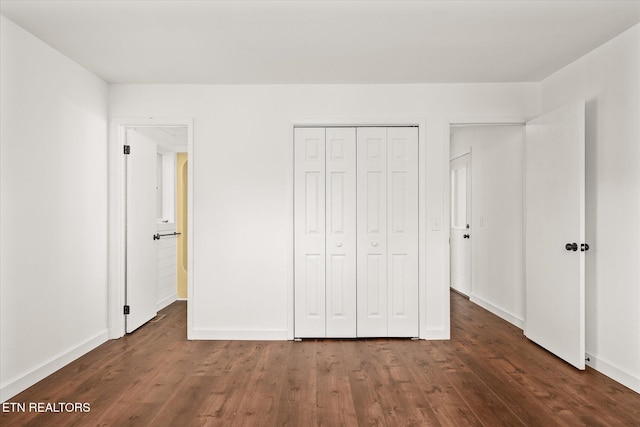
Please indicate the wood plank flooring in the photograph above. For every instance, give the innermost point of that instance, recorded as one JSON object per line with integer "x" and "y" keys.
{"x": 488, "y": 374}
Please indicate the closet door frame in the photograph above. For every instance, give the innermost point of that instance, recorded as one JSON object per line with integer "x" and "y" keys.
{"x": 411, "y": 121}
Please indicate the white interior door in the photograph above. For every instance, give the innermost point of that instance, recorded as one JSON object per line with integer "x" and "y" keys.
{"x": 341, "y": 232}
{"x": 309, "y": 231}
{"x": 554, "y": 232}
{"x": 372, "y": 232}
{"x": 141, "y": 252}
{"x": 402, "y": 231}
{"x": 460, "y": 246}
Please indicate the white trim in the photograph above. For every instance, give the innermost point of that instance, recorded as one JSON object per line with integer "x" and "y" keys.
{"x": 435, "y": 334}
{"x": 240, "y": 334}
{"x": 616, "y": 374}
{"x": 503, "y": 314}
{"x": 116, "y": 215}
{"x": 289, "y": 237}
{"x": 415, "y": 120}
{"x": 166, "y": 301}
{"x": 18, "y": 384}
{"x": 492, "y": 121}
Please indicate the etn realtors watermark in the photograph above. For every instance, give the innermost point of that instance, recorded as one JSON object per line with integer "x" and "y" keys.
{"x": 43, "y": 407}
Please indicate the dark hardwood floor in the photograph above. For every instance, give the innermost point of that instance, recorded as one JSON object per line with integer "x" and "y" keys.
{"x": 489, "y": 374}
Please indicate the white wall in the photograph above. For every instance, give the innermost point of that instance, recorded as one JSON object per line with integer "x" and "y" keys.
{"x": 53, "y": 274}
{"x": 497, "y": 216}
{"x": 608, "y": 79}
{"x": 242, "y": 178}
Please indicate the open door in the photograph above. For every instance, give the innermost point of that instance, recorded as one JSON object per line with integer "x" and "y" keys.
{"x": 460, "y": 233}
{"x": 555, "y": 232}
{"x": 141, "y": 252}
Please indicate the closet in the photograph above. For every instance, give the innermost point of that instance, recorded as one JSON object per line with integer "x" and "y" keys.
{"x": 356, "y": 232}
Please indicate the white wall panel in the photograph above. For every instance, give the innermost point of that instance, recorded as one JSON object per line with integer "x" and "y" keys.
{"x": 53, "y": 218}
{"x": 166, "y": 269}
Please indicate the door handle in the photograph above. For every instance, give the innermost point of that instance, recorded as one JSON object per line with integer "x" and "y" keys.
{"x": 571, "y": 247}
{"x": 466, "y": 236}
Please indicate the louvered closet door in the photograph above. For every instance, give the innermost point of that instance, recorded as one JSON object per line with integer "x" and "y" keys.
{"x": 309, "y": 230}
{"x": 387, "y": 211}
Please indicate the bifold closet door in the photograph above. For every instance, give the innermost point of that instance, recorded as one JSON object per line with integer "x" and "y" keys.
{"x": 325, "y": 232}
{"x": 340, "y": 240}
{"x": 387, "y": 228}
{"x": 309, "y": 231}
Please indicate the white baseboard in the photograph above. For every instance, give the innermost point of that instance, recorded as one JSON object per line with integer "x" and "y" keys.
{"x": 238, "y": 334}
{"x": 22, "y": 382}
{"x": 166, "y": 301}
{"x": 616, "y": 374}
{"x": 514, "y": 320}
{"x": 435, "y": 334}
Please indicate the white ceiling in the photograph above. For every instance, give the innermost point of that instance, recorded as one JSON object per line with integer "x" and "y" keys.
{"x": 167, "y": 138}
{"x": 269, "y": 42}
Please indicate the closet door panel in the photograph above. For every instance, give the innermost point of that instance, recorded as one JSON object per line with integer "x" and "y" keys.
{"x": 402, "y": 236}
{"x": 341, "y": 232}
{"x": 309, "y": 232}
{"x": 372, "y": 292}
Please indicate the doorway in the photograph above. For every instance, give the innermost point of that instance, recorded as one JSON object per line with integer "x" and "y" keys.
{"x": 487, "y": 216}
{"x": 150, "y": 225}
{"x": 460, "y": 233}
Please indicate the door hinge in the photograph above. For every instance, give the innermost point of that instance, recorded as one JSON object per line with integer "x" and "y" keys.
{"x": 127, "y": 309}
{"x": 127, "y": 149}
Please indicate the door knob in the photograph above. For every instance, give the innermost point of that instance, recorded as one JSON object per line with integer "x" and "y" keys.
{"x": 466, "y": 236}
{"x": 339, "y": 245}
{"x": 374, "y": 243}
{"x": 584, "y": 247}
{"x": 571, "y": 247}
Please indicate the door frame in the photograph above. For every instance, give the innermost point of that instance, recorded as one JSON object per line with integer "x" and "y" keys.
{"x": 418, "y": 121}
{"x": 446, "y": 188}
{"x": 116, "y": 266}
